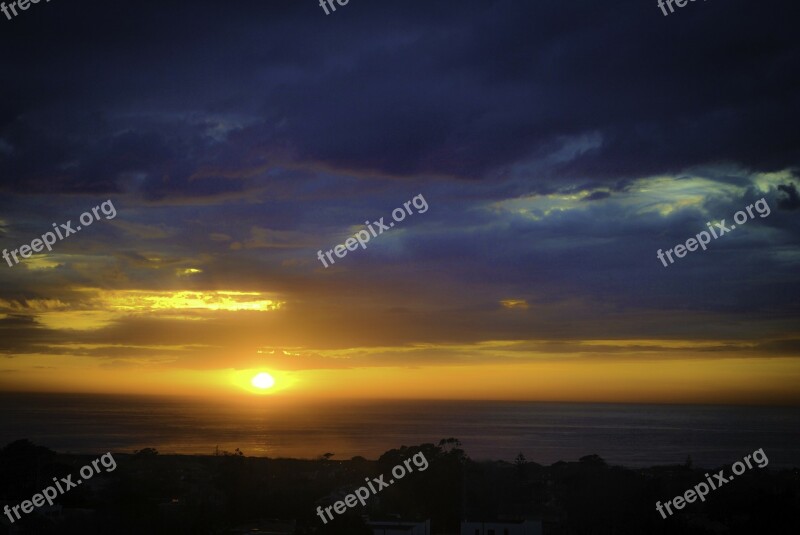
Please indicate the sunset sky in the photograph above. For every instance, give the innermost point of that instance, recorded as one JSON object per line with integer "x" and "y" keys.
{"x": 558, "y": 146}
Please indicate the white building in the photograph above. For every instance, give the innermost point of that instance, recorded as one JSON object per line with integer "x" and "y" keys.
{"x": 523, "y": 527}
{"x": 400, "y": 528}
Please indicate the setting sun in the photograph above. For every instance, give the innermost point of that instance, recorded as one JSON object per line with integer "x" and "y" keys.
{"x": 263, "y": 381}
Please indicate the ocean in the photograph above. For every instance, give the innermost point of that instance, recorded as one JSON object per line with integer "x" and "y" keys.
{"x": 622, "y": 434}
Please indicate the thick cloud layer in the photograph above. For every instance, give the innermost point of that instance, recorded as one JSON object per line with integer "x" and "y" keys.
{"x": 142, "y": 96}
{"x": 558, "y": 144}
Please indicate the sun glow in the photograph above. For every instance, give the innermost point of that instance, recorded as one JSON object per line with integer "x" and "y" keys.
{"x": 263, "y": 381}
{"x": 258, "y": 381}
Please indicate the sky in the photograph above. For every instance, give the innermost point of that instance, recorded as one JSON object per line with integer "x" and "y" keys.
{"x": 549, "y": 149}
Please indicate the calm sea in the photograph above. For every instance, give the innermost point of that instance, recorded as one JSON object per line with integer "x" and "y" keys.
{"x": 629, "y": 435}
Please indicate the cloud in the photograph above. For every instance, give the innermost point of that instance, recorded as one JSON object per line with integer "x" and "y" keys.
{"x": 792, "y": 199}
{"x": 243, "y": 138}
{"x": 279, "y": 239}
{"x": 143, "y": 231}
{"x": 501, "y": 83}
{"x": 597, "y": 196}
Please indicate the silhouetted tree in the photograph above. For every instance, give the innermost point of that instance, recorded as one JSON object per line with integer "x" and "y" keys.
{"x": 593, "y": 459}
{"x": 520, "y": 462}
{"x": 24, "y": 448}
{"x": 145, "y": 452}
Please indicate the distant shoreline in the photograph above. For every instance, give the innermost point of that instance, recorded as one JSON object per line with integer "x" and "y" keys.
{"x": 236, "y": 397}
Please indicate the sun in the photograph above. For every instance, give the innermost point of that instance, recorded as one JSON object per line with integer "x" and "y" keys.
{"x": 263, "y": 381}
